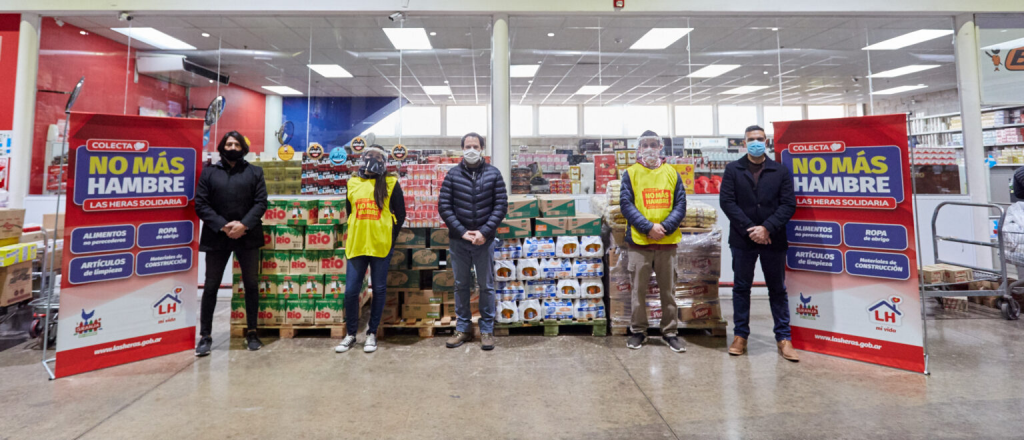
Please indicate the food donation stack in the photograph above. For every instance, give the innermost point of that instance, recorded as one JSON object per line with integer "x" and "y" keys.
{"x": 548, "y": 263}
{"x": 698, "y": 267}
{"x": 302, "y": 265}
{"x": 420, "y": 283}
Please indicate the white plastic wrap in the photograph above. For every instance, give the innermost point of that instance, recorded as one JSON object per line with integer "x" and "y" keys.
{"x": 528, "y": 269}
{"x": 567, "y": 247}
{"x": 559, "y": 309}
{"x": 530, "y": 310}
{"x": 556, "y": 268}
{"x": 509, "y": 290}
{"x": 504, "y": 270}
{"x": 1013, "y": 234}
{"x": 591, "y": 247}
{"x": 508, "y": 249}
{"x": 508, "y": 312}
{"x": 590, "y": 308}
{"x": 539, "y": 247}
{"x": 541, "y": 289}
{"x": 568, "y": 289}
{"x": 591, "y": 288}
{"x": 588, "y": 267}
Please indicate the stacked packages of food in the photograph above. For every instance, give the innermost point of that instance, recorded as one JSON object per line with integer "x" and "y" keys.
{"x": 420, "y": 282}
{"x": 282, "y": 176}
{"x": 421, "y": 186}
{"x": 548, "y": 263}
{"x": 698, "y": 268}
{"x": 302, "y": 267}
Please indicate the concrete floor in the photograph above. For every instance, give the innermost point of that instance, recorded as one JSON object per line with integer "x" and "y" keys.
{"x": 571, "y": 387}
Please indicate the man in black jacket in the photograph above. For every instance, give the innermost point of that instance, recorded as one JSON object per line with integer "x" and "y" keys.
{"x": 231, "y": 197}
{"x": 472, "y": 204}
{"x": 757, "y": 196}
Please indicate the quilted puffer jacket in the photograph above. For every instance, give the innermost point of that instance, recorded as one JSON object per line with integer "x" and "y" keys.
{"x": 473, "y": 199}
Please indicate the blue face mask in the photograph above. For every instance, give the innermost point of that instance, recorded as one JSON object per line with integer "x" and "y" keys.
{"x": 755, "y": 148}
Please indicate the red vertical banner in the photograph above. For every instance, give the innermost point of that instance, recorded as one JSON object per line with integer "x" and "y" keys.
{"x": 129, "y": 271}
{"x": 851, "y": 267}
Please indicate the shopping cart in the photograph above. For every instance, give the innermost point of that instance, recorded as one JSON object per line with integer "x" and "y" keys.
{"x": 1010, "y": 307}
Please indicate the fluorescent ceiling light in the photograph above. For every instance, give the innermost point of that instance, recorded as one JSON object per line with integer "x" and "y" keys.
{"x": 905, "y": 70}
{"x": 154, "y": 38}
{"x": 283, "y": 90}
{"x": 437, "y": 90}
{"x": 408, "y": 38}
{"x": 523, "y": 70}
{"x": 909, "y": 39}
{"x": 591, "y": 90}
{"x": 713, "y": 70}
{"x": 899, "y": 89}
{"x": 743, "y": 90}
{"x": 330, "y": 70}
{"x": 1006, "y": 45}
{"x": 659, "y": 38}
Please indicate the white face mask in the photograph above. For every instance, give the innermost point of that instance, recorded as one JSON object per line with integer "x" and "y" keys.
{"x": 471, "y": 156}
{"x": 650, "y": 157}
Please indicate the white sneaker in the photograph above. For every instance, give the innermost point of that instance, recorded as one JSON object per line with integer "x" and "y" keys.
{"x": 345, "y": 344}
{"x": 370, "y": 345}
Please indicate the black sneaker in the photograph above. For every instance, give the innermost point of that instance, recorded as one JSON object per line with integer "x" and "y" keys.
{"x": 204, "y": 346}
{"x": 252, "y": 342}
{"x": 636, "y": 340}
{"x": 675, "y": 343}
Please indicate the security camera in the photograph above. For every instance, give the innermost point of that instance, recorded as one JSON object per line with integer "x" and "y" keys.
{"x": 397, "y": 16}
{"x": 59, "y": 22}
{"x": 124, "y": 16}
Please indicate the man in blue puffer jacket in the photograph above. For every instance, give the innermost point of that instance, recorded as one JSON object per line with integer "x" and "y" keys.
{"x": 472, "y": 204}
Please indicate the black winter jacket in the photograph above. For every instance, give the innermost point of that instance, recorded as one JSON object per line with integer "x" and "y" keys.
{"x": 770, "y": 203}
{"x": 224, "y": 195}
{"x": 473, "y": 200}
{"x": 627, "y": 203}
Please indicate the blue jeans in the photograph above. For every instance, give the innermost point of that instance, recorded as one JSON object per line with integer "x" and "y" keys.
{"x": 466, "y": 256}
{"x": 356, "y": 273}
{"x": 773, "y": 265}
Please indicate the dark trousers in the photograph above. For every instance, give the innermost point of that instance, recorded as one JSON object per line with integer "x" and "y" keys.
{"x": 216, "y": 261}
{"x": 355, "y": 274}
{"x": 773, "y": 265}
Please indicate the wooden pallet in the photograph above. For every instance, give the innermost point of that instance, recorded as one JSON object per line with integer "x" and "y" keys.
{"x": 550, "y": 326}
{"x": 288, "y": 331}
{"x": 717, "y": 327}
{"x": 425, "y": 327}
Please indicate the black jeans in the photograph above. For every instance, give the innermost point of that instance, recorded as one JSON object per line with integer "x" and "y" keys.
{"x": 216, "y": 261}
{"x": 355, "y": 274}
{"x": 773, "y": 265}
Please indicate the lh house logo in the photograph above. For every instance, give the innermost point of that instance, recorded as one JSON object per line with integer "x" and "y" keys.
{"x": 886, "y": 312}
{"x": 168, "y": 305}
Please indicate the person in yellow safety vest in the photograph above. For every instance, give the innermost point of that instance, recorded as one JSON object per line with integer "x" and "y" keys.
{"x": 653, "y": 200}
{"x": 376, "y": 212}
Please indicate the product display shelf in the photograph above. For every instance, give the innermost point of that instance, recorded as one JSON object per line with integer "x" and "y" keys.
{"x": 599, "y": 326}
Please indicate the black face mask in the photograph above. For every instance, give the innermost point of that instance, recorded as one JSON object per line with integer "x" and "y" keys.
{"x": 232, "y": 155}
{"x": 373, "y": 166}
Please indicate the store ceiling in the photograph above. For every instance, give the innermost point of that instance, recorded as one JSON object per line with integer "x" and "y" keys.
{"x": 821, "y": 57}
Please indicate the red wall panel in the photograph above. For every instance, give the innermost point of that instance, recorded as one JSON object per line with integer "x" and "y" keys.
{"x": 65, "y": 55}
{"x": 244, "y": 112}
{"x": 9, "y": 24}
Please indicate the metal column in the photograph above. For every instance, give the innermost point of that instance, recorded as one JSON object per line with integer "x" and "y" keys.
{"x": 969, "y": 84}
{"x": 500, "y": 140}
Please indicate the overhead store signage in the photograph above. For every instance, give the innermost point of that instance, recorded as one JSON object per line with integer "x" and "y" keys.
{"x": 851, "y": 265}
{"x": 1001, "y": 58}
{"x": 127, "y": 292}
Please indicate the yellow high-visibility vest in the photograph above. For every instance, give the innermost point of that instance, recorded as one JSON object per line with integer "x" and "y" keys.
{"x": 654, "y": 196}
{"x": 369, "y": 228}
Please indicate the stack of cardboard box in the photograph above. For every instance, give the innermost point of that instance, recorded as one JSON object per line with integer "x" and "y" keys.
{"x": 419, "y": 276}
{"x": 15, "y": 258}
{"x": 282, "y": 176}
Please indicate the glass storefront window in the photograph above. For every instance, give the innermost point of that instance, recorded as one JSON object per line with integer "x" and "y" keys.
{"x": 464, "y": 119}
{"x": 605, "y": 120}
{"x": 694, "y": 120}
{"x": 825, "y": 111}
{"x": 775, "y": 113}
{"x": 557, "y": 120}
{"x": 521, "y": 120}
{"x": 734, "y": 119}
{"x": 640, "y": 118}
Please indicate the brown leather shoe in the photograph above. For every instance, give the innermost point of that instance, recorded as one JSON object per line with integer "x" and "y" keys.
{"x": 787, "y": 351}
{"x": 458, "y": 339}
{"x": 738, "y": 347}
